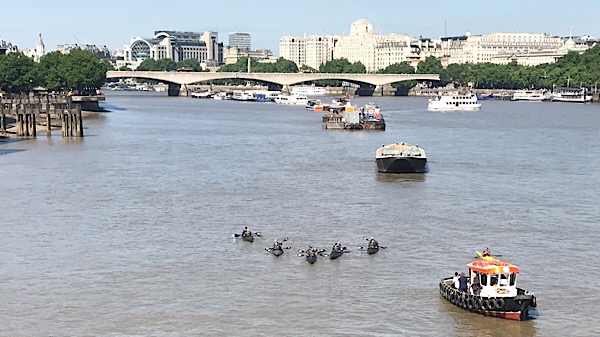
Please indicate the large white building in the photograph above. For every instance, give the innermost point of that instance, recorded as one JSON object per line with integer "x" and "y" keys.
{"x": 373, "y": 50}
{"x": 376, "y": 51}
{"x": 177, "y": 46}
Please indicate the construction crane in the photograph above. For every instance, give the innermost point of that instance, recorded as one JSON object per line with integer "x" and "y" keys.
{"x": 76, "y": 38}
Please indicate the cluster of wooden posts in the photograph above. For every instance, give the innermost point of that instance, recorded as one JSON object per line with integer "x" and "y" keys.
{"x": 26, "y": 110}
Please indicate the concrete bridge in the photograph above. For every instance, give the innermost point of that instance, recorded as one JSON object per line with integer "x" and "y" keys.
{"x": 178, "y": 81}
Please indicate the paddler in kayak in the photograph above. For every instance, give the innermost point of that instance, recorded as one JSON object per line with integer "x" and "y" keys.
{"x": 246, "y": 232}
{"x": 337, "y": 247}
{"x": 276, "y": 244}
{"x": 486, "y": 252}
{"x": 373, "y": 243}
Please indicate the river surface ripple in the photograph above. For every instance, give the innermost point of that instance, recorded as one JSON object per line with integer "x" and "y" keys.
{"x": 128, "y": 232}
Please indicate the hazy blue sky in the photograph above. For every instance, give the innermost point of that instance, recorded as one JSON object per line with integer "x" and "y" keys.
{"x": 114, "y": 22}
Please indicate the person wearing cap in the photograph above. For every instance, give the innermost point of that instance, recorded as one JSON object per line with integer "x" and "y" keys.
{"x": 373, "y": 243}
{"x": 246, "y": 232}
{"x": 337, "y": 247}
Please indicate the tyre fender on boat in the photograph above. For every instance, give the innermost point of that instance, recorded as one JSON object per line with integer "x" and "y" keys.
{"x": 499, "y": 303}
{"x": 486, "y": 304}
{"x": 470, "y": 303}
{"x": 533, "y": 301}
{"x": 477, "y": 303}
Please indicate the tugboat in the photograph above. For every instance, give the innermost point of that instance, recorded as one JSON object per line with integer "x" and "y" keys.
{"x": 401, "y": 158}
{"x": 493, "y": 291}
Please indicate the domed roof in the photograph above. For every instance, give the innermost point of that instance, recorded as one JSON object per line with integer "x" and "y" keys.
{"x": 569, "y": 45}
{"x": 361, "y": 22}
{"x": 360, "y": 27}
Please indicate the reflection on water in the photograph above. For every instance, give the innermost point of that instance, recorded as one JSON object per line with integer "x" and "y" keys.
{"x": 399, "y": 177}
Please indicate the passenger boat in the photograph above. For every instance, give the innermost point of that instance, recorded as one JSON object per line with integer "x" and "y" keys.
{"x": 493, "y": 291}
{"x": 221, "y": 96}
{"x": 308, "y": 90}
{"x": 530, "y": 95}
{"x": 203, "y": 94}
{"x": 291, "y": 99}
{"x": 401, "y": 158}
{"x": 454, "y": 102}
{"x": 572, "y": 95}
{"x": 242, "y": 96}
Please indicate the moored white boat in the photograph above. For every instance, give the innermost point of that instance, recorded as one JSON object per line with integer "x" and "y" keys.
{"x": 454, "y": 102}
{"x": 242, "y": 96}
{"x": 530, "y": 95}
{"x": 573, "y": 95}
{"x": 308, "y": 90}
{"x": 291, "y": 99}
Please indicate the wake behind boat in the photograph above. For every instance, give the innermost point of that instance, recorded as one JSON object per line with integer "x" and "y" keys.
{"x": 492, "y": 292}
{"x": 401, "y": 158}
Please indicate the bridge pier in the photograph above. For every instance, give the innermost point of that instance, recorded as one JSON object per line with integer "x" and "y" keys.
{"x": 178, "y": 89}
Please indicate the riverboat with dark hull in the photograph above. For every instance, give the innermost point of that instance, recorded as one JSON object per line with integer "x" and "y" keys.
{"x": 493, "y": 291}
{"x": 401, "y": 158}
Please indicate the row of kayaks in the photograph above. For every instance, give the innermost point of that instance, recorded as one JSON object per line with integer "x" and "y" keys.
{"x": 310, "y": 257}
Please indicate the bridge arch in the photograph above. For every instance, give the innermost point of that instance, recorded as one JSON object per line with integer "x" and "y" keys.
{"x": 283, "y": 79}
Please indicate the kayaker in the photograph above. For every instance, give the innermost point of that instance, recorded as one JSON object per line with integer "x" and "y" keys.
{"x": 337, "y": 247}
{"x": 246, "y": 232}
{"x": 276, "y": 244}
{"x": 486, "y": 252}
{"x": 373, "y": 243}
{"x": 311, "y": 251}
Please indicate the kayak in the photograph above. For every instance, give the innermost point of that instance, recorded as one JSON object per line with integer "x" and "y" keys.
{"x": 335, "y": 254}
{"x": 311, "y": 259}
{"x": 486, "y": 258}
{"x": 248, "y": 238}
{"x": 372, "y": 250}
{"x": 277, "y": 252}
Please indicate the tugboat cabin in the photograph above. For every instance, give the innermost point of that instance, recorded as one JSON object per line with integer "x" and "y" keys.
{"x": 493, "y": 278}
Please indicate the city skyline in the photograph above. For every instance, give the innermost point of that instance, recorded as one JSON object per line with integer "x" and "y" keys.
{"x": 268, "y": 21}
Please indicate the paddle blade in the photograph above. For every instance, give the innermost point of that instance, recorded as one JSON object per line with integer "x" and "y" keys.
{"x": 301, "y": 254}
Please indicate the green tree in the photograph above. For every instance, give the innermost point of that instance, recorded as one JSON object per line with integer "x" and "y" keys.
{"x": 124, "y": 68}
{"x": 83, "y": 70}
{"x": 52, "y": 71}
{"x": 431, "y": 65}
{"x": 398, "y": 68}
{"x": 148, "y": 64}
{"x": 189, "y": 64}
{"x": 17, "y": 73}
{"x": 342, "y": 66}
